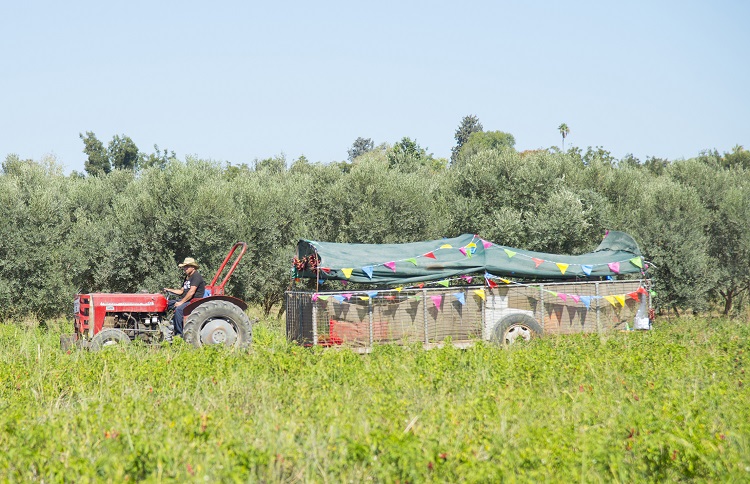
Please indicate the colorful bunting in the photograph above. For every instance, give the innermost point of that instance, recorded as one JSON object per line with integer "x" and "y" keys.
{"x": 420, "y": 285}
{"x": 314, "y": 297}
{"x": 587, "y": 269}
{"x": 467, "y": 278}
{"x": 620, "y": 299}
{"x": 460, "y": 297}
{"x": 327, "y": 270}
{"x": 339, "y": 298}
{"x": 537, "y": 262}
{"x": 399, "y": 288}
{"x": 391, "y": 265}
{"x": 586, "y": 300}
{"x": 642, "y": 290}
{"x": 611, "y": 300}
{"x": 492, "y": 283}
{"x": 446, "y": 246}
{"x": 471, "y": 245}
{"x": 347, "y": 295}
{"x": 510, "y": 253}
{"x": 364, "y": 298}
{"x": 562, "y": 296}
{"x": 480, "y": 293}
{"x": 430, "y": 255}
{"x": 486, "y": 244}
{"x": 412, "y": 260}
{"x": 444, "y": 283}
{"x": 576, "y": 298}
{"x": 463, "y": 251}
{"x": 372, "y": 293}
{"x": 614, "y": 267}
{"x": 636, "y": 261}
{"x": 562, "y": 267}
{"x": 323, "y": 298}
{"x": 437, "y": 301}
{"x": 506, "y": 281}
{"x": 347, "y": 272}
{"x": 368, "y": 271}
{"x": 634, "y": 295}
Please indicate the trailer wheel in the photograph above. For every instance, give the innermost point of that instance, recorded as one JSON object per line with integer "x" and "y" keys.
{"x": 108, "y": 337}
{"x": 514, "y": 327}
{"x": 218, "y": 322}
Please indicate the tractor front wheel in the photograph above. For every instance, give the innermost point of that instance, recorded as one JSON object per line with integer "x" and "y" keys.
{"x": 218, "y": 322}
{"x": 108, "y": 337}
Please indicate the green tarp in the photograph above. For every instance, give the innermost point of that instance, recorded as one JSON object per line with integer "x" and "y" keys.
{"x": 432, "y": 260}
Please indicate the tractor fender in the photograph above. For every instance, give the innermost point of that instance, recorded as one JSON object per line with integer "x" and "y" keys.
{"x": 236, "y": 301}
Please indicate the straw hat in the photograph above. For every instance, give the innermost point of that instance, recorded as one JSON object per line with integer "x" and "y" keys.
{"x": 189, "y": 261}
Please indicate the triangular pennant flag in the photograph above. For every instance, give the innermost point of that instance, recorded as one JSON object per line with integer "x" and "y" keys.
{"x": 460, "y": 297}
{"x": 620, "y": 299}
{"x": 563, "y": 267}
{"x": 437, "y": 301}
{"x": 636, "y": 261}
{"x": 587, "y": 269}
{"x": 492, "y": 283}
{"x": 471, "y": 245}
{"x": 652, "y": 293}
{"x": 486, "y": 244}
{"x": 576, "y": 297}
{"x": 323, "y": 298}
{"x": 339, "y": 298}
{"x": 390, "y": 298}
{"x": 399, "y": 288}
{"x": 420, "y": 285}
{"x": 634, "y": 295}
{"x": 446, "y": 246}
{"x": 416, "y": 297}
{"x": 444, "y": 283}
{"x": 347, "y": 295}
{"x": 537, "y": 262}
{"x": 391, "y": 265}
{"x": 364, "y": 298}
{"x": 586, "y": 300}
{"x": 367, "y": 270}
{"x": 463, "y": 250}
{"x": 347, "y": 272}
{"x": 412, "y": 260}
{"x": 372, "y": 293}
{"x": 614, "y": 267}
{"x": 314, "y": 297}
{"x": 642, "y": 290}
{"x": 510, "y": 253}
{"x": 611, "y": 300}
{"x": 553, "y": 293}
{"x": 562, "y": 296}
{"x": 480, "y": 293}
{"x": 327, "y": 270}
{"x": 321, "y": 281}
{"x": 467, "y": 278}
{"x": 506, "y": 281}
{"x": 430, "y": 255}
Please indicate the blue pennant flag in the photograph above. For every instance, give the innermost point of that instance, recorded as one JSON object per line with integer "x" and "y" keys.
{"x": 339, "y": 298}
{"x": 586, "y": 300}
{"x": 460, "y": 297}
{"x": 372, "y": 294}
{"x": 587, "y": 269}
{"x": 368, "y": 270}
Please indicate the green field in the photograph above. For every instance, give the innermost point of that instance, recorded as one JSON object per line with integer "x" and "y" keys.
{"x": 670, "y": 404}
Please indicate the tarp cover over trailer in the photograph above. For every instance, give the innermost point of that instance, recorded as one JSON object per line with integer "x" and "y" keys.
{"x": 466, "y": 254}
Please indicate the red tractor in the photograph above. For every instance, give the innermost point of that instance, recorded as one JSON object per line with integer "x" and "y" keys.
{"x": 103, "y": 319}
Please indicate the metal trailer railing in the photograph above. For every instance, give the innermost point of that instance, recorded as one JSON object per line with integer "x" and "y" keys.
{"x": 461, "y": 313}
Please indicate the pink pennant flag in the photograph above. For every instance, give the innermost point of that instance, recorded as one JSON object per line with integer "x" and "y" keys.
{"x": 437, "y": 301}
{"x": 466, "y": 278}
{"x": 486, "y": 244}
{"x": 391, "y": 265}
{"x": 537, "y": 262}
{"x": 562, "y": 296}
{"x": 614, "y": 267}
{"x": 576, "y": 297}
{"x": 347, "y": 295}
{"x": 314, "y": 297}
{"x": 462, "y": 250}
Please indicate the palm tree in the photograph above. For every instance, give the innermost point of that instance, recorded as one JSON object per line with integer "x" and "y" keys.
{"x": 564, "y": 130}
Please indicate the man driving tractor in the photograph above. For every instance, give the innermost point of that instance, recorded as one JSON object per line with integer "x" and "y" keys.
{"x": 193, "y": 287}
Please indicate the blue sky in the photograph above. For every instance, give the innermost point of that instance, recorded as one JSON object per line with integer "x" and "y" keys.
{"x": 234, "y": 81}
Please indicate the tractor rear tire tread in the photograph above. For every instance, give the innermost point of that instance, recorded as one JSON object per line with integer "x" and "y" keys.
{"x": 218, "y": 309}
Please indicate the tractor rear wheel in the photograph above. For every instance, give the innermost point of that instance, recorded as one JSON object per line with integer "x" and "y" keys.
{"x": 108, "y": 337}
{"x": 218, "y": 322}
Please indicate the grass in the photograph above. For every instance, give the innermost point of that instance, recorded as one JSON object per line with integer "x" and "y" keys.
{"x": 670, "y": 404}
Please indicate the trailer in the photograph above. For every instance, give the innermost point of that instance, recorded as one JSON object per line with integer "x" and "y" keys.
{"x": 463, "y": 290}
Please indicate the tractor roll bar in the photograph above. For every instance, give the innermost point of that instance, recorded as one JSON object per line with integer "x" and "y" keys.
{"x": 219, "y": 290}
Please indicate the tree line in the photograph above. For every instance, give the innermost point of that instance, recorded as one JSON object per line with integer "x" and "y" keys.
{"x": 125, "y": 224}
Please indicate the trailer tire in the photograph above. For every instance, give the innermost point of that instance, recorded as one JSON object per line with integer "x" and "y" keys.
{"x": 218, "y": 322}
{"x": 108, "y": 337}
{"x": 515, "y": 326}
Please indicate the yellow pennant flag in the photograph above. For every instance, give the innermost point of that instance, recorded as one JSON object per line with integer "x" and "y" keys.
{"x": 446, "y": 246}
{"x": 364, "y": 298}
{"x": 480, "y": 293}
{"x": 399, "y": 288}
{"x": 620, "y": 299}
{"x": 562, "y": 267}
{"x": 471, "y": 245}
{"x": 506, "y": 281}
{"x": 611, "y": 300}
{"x": 347, "y": 272}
